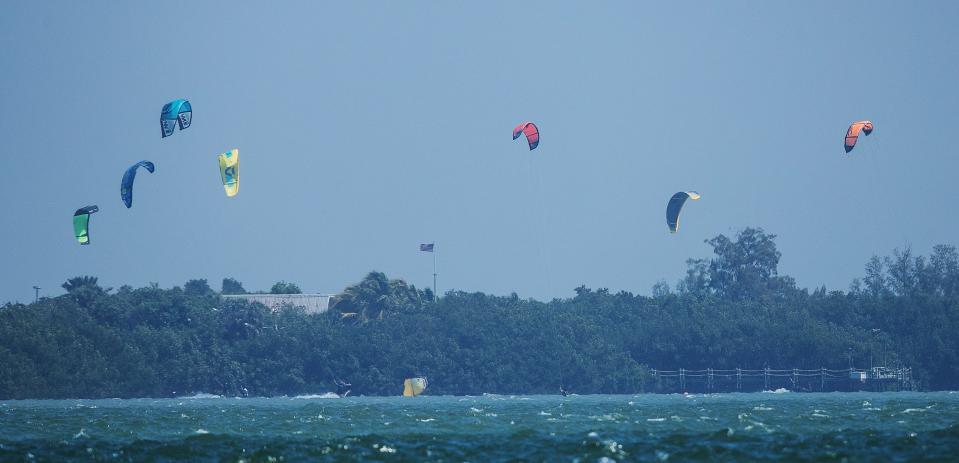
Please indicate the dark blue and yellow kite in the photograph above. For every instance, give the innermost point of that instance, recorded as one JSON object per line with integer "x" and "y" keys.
{"x": 675, "y": 206}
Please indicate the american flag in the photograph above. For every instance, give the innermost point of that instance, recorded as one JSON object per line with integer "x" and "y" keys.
{"x": 426, "y": 247}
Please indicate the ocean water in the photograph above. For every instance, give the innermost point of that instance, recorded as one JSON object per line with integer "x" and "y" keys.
{"x": 655, "y": 428}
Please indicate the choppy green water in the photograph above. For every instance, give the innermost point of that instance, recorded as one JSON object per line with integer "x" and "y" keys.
{"x": 722, "y": 427}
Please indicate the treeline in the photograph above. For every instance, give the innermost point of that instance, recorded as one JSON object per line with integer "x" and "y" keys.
{"x": 730, "y": 310}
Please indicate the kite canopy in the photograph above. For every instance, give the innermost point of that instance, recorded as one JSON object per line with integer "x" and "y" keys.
{"x": 675, "y": 206}
{"x": 230, "y": 171}
{"x": 126, "y": 185}
{"x": 852, "y": 135}
{"x": 81, "y": 223}
{"x": 531, "y": 131}
{"x": 173, "y": 113}
{"x": 413, "y": 387}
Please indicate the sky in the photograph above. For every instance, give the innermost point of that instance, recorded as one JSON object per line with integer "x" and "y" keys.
{"x": 366, "y": 128}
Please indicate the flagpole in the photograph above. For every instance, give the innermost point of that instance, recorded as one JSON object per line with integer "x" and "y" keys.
{"x": 434, "y": 274}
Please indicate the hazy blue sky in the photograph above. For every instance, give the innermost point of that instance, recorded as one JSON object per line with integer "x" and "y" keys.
{"x": 366, "y": 128}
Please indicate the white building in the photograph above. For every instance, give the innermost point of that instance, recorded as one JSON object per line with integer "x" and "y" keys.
{"x": 311, "y": 303}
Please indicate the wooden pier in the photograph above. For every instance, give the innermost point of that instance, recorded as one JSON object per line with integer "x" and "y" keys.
{"x": 767, "y": 379}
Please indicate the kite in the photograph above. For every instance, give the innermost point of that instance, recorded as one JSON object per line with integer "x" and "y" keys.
{"x": 531, "y": 131}
{"x": 230, "y": 171}
{"x": 173, "y": 113}
{"x": 675, "y": 206}
{"x": 852, "y": 135}
{"x": 81, "y": 223}
{"x": 126, "y": 185}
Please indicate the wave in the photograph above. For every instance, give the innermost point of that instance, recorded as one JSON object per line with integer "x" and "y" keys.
{"x": 202, "y": 395}
{"x": 325, "y": 395}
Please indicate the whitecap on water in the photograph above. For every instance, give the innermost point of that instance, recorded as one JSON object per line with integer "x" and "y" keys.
{"x": 202, "y": 431}
{"x": 914, "y": 410}
{"x": 613, "y": 447}
{"x": 606, "y": 417}
{"x": 655, "y": 420}
{"x": 761, "y": 408}
{"x": 781, "y": 390}
{"x": 427, "y": 420}
{"x": 542, "y": 413}
{"x": 80, "y": 434}
{"x": 661, "y": 455}
{"x": 202, "y": 395}
{"x": 325, "y": 395}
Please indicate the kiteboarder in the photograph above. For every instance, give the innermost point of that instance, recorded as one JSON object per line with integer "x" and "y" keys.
{"x": 343, "y": 388}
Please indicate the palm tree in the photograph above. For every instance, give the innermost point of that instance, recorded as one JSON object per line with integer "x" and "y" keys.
{"x": 75, "y": 283}
{"x": 376, "y": 296}
{"x": 83, "y": 289}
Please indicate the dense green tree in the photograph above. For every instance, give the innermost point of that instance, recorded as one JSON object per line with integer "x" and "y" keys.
{"x": 376, "y": 296}
{"x": 282, "y": 287}
{"x": 945, "y": 264}
{"x": 198, "y": 288}
{"x": 733, "y": 310}
{"x": 83, "y": 289}
{"x": 76, "y": 283}
{"x": 741, "y": 269}
{"x": 231, "y": 286}
{"x": 875, "y": 279}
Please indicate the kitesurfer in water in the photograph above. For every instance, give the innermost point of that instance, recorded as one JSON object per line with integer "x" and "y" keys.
{"x": 343, "y": 388}
{"x": 563, "y": 391}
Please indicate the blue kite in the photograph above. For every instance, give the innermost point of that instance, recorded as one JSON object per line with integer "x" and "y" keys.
{"x": 126, "y": 186}
{"x": 173, "y": 113}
